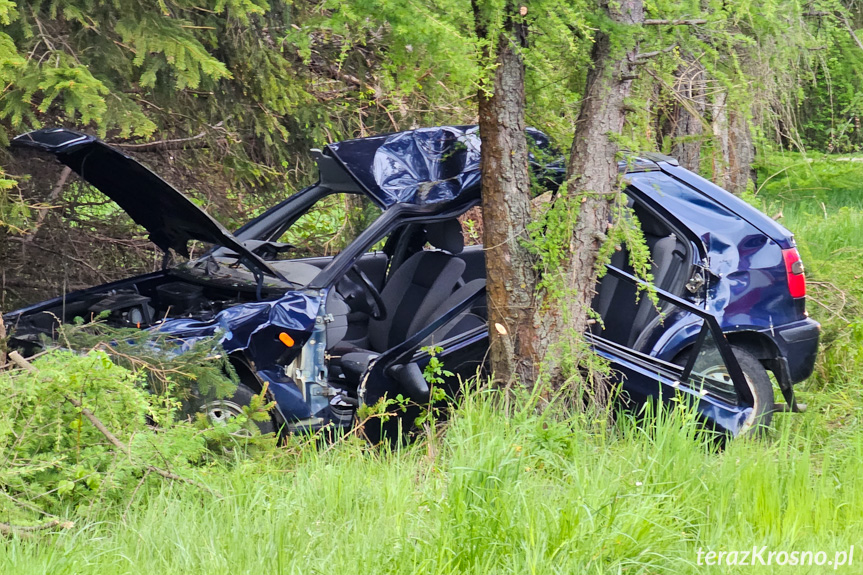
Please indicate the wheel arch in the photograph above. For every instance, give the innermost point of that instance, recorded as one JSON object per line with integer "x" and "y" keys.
{"x": 761, "y": 347}
{"x": 245, "y": 372}
{"x": 756, "y": 343}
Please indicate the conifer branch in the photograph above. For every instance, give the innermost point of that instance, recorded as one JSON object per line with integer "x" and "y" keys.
{"x": 19, "y": 360}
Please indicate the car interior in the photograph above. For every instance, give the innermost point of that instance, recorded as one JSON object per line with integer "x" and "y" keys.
{"x": 425, "y": 279}
{"x": 628, "y": 318}
{"x": 423, "y": 270}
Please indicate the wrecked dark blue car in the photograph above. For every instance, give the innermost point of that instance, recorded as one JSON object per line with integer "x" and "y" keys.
{"x": 334, "y": 295}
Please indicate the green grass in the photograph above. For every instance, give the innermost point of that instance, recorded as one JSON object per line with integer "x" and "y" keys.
{"x": 821, "y": 200}
{"x": 497, "y": 494}
{"x": 523, "y": 493}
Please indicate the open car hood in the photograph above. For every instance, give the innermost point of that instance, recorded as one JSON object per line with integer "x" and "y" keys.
{"x": 169, "y": 216}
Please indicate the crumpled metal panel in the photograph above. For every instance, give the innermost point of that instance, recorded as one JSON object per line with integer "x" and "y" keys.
{"x": 746, "y": 266}
{"x": 426, "y": 166}
{"x": 254, "y": 328}
{"x": 295, "y": 312}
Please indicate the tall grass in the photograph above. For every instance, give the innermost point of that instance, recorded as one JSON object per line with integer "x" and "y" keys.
{"x": 514, "y": 491}
{"x": 499, "y": 492}
{"x": 820, "y": 199}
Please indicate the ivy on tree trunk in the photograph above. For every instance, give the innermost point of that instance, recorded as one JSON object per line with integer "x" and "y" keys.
{"x": 593, "y": 177}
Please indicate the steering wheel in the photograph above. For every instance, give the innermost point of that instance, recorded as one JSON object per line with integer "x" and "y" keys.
{"x": 379, "y": 311}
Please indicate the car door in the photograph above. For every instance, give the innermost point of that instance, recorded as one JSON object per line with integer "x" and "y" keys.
{"x": 711, "y": 379}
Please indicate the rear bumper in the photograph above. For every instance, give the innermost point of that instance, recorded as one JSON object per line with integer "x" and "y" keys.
{"x": 798, "y": 345}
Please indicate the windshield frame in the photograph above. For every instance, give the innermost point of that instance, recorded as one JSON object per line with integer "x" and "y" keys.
{"x": 396, "y": 216}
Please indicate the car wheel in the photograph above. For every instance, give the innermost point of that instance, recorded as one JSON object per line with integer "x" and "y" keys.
{"x": 759, "y": 382}
{"x": 219, "y": 411}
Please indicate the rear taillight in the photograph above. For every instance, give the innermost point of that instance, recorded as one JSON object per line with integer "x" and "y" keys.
{"x": 794, "y": 271}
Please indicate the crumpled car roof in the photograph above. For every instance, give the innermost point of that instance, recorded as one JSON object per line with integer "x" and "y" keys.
{"x": 429, "y": 165}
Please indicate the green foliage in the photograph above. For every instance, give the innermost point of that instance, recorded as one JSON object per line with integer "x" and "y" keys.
{"x": 139, "y": 388}
{"x": 53, "y": 454}
{"x": 433, "y": 372}
{"x": 551, "y": 242}
{"x": 262, "y": 82}
{"x": 820, "y": 199}
{"x": 177, "y": 367}
{"x": 14, "y": 212}
{"x": 505, "y": 491}
{"x": 330, "y": 225}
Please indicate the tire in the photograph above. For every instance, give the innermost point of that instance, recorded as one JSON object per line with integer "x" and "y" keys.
{"x": 762, "y": 391}
{"x": 759, "y": 383}
{"x": 218, "y": 411}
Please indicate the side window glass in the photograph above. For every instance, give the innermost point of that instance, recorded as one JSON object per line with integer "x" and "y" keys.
{"x": 709, "y": 371}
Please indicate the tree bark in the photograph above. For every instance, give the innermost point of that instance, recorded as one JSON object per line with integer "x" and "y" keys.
{"x": 719, "y": 116}
{"x": 741, "y": 153}
{"x": 511, "y": 277}
{"x": 2, "y": 341}
{"x": 592, "y": 172}
{"x": 687, "y": 116}
{"x": 734, "y": 148}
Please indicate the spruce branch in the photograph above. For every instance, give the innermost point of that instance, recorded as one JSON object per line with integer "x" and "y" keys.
{"x": 19, "y": 360}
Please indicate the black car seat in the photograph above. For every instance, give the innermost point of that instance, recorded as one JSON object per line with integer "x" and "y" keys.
{"x": 625, "y": 320}
{"x": 412, "y": 296}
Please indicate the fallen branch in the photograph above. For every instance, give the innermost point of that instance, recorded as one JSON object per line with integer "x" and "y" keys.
{"x": 642, "y": 57}
{"x": 97, "y": 423}
{"x": 52, "y": 197}
{"x": 684, "y": 22}
{"x": 161, "y": 144}
{"x": 850, "y": 30}
{"x": 9, "y": 528}
{"x": 19, "y": 360}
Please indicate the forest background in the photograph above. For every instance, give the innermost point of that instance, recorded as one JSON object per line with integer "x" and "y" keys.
{"x": 224, "y": 98}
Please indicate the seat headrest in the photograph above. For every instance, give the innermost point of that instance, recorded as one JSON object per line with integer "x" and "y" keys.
{"x": 446, "y": 235}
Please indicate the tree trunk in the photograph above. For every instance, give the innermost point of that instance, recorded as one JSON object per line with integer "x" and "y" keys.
{"x": 734, "y": 148}
{"x": 511, "y": 279}
{"x": 687, "y": 114}
{"x": 719, "y": 115}
{"x": 741, "y": 153}
{"x": 593, "y": 173}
